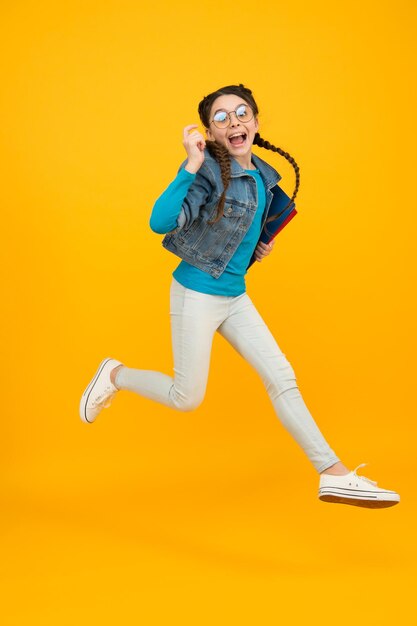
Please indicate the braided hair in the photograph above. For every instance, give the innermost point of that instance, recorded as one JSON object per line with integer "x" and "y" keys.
{"x": 222, "y": 155}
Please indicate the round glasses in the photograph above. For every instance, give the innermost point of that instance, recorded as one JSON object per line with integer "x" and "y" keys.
{"x": 222, "y": 119}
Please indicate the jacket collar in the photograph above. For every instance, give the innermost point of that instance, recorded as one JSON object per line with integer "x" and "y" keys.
{"x": 268, "y": 173}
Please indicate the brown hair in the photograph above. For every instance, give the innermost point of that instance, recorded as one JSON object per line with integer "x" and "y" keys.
{"x": 221, "y": 154}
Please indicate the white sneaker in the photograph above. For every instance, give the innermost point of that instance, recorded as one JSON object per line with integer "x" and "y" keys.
{"x": 357, "y": 490}
{"x": 99, "y": 392}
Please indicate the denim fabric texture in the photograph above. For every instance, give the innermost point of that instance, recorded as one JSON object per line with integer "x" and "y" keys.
{"x": 211, "y": 246}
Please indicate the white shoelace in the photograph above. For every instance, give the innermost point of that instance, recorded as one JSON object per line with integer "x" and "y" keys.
{"x": 368, "y": 480}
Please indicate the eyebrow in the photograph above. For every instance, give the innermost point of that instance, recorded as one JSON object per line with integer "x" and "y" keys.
{"x": 240, "y": 103}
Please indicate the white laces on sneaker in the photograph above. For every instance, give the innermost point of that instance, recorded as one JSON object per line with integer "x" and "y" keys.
{"x": 104, "y": 399}
{"x": 368, "y": 480}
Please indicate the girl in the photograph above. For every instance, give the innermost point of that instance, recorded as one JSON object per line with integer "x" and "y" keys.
{"x": 212, "y": 216}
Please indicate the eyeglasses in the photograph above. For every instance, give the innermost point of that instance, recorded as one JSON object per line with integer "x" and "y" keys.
{"x": 222, "y": 119}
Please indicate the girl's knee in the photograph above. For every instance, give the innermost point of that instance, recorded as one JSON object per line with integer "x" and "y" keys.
{"x": 186, "y": 403}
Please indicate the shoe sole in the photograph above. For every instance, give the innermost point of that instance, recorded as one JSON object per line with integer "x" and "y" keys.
{"x": 88, "y": 390}
{"x": 369, "y": 504}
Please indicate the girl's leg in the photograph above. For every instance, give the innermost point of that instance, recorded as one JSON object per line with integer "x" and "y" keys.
{"x": 245, "y": 329}
{"x": 194, "y": 319}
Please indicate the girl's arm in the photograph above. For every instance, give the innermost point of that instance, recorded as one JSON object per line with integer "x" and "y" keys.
{"x": 168, "y": 206}
{"x": 179, "y": 205}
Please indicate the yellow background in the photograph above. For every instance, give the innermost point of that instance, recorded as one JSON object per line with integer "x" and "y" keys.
{"x": 154, "y": 516}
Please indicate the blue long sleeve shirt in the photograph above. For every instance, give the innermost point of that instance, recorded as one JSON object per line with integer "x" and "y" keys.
{"x": 164, "y": 219}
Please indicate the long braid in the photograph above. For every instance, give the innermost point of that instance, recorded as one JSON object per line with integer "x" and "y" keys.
{"x": 262, "y": 143}
{"x": 222, "y": 156}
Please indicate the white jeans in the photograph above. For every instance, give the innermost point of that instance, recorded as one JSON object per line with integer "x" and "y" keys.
{"x": 195, "y": 317}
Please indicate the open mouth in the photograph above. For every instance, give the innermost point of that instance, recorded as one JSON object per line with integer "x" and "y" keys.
{"x": 237, "y": 139}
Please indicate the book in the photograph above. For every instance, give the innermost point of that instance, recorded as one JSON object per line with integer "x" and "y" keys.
{"x": 284, "y": 216}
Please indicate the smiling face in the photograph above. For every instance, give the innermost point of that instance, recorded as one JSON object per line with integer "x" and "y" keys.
{"x": 237, "y": 138}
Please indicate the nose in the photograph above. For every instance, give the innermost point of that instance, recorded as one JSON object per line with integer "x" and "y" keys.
{"x": 236, "y": 119}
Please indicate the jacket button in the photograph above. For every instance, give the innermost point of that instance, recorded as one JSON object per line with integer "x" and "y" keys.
{"x": 229, "y": 210}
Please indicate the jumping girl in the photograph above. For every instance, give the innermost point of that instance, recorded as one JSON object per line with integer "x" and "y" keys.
{"x": 212, "y": 216}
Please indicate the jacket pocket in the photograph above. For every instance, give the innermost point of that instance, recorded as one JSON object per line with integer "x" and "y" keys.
{"x": 208, "y": 241}
{"x": 213, "y": 242}
{"x": 233, "y": 210}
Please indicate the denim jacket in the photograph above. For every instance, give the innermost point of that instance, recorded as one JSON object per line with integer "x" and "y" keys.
{"x": 211, "y": 246}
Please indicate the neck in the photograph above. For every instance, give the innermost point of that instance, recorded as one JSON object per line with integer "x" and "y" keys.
{"x": 245, "y": 161}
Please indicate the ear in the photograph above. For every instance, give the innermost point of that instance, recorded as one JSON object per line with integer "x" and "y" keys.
{"x": 256, "y": 124}
{"x": 209, "y": 134}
